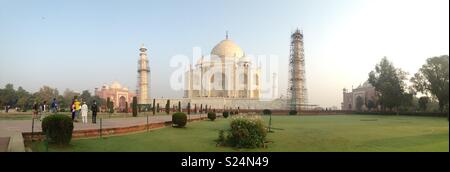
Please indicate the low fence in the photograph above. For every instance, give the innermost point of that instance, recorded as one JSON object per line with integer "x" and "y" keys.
{"x": 28, "y": 137}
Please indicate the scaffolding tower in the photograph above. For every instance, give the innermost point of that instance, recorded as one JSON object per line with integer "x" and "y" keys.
{"x": 297, "y": 92}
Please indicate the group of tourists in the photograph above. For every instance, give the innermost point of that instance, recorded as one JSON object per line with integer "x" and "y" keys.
{"x": 40, "y": 110}
{"x": 78, "y": 108}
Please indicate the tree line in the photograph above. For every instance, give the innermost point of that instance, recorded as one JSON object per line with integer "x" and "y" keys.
{"x": 24, "y": 100}
{"x": 394, "y": 94}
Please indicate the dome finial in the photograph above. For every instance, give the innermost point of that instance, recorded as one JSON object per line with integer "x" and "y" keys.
{"x": 226, "y": 36}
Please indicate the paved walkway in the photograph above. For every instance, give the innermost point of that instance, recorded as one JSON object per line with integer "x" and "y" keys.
{"x": 14, "y": 128}
{"x": 4, "y": 142}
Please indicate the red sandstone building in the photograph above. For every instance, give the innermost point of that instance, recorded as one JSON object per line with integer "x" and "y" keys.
{"x": 119, "y": 95}
{"x": 365, "y": 91}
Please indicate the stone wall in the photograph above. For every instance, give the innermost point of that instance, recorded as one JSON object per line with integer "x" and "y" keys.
{"x": 221, "y": 103}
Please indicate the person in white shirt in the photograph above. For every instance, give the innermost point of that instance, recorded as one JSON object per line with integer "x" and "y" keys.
{"x": 44, "y": 109}
{"x": 84, "y": 112}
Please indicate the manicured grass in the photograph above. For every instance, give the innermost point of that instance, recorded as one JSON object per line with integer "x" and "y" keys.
{"x": 292, "y": 134}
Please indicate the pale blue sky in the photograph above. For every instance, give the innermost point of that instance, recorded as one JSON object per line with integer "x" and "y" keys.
{"x": 84, "y": 44}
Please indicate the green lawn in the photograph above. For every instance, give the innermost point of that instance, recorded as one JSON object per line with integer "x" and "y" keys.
{"x": 298, "y": 134}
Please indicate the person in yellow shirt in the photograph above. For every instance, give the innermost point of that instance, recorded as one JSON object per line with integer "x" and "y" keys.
{"x": 77, "y": 108}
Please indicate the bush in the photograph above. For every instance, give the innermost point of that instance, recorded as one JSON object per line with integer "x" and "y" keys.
{"x": 231, "y": 113}
{"x": 58, "y": 129}
{"x": 267, "y": 112}
{"x": 179, "y": 119}
{"x": 293, "y": 112}
{"x": 225, "y": 114}
{"x": 245, "y": 132}
{"x": 212, "y": 116}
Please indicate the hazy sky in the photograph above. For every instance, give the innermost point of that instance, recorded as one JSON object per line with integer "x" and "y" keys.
{"x": 84, "y": 44}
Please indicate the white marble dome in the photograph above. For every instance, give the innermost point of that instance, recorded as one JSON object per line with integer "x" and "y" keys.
{"x": 227, "y": 49}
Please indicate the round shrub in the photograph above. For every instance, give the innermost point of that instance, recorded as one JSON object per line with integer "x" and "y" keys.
{"x": 225, "y": 114}
{"x": 179, "y": 119}
{"x": 212, "y": 116}
{"x": 58, "y": 129}
{"x": 293, "y": 112}
{"x": 246, "y": 132}
{"x": 267, "y": 112}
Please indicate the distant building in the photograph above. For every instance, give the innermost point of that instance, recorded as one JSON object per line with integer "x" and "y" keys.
{"x": 365, "y": 91}
{"x": 118, "y": 94}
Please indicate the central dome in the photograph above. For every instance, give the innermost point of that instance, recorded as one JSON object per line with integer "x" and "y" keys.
{"x": 227, "y": 49}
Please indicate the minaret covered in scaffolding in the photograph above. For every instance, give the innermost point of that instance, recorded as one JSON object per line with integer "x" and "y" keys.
{"x": 297, "y": 92}
{"x": 143, "y": 80}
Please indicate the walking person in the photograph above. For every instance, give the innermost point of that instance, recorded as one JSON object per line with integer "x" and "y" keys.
{"x": 94, "y": 109}
{"x": 72, "y": 109}
{"x": 84, "y": 113}
{"x": 77, "y": 108}
{"x": 35, "y": 110}
{"x": 54, "y": 106}
{"x": 44, "y": 109}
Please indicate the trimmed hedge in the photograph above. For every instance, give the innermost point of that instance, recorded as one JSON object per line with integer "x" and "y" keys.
{"x": 245, "y": 132}
{"x": 58, "y": 129}
{"x": 225, "y": 114}
{"x": 267, "y": 112}
{"x": 179, "y": 119}
{"x": 293, "y": 112}
{"x": 212, "y": 116}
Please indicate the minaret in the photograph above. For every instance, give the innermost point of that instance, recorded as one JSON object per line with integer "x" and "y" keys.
{"x": 274, "y": 86}
{"x": 143, "y": 73}
{"x": 297, "y": 91}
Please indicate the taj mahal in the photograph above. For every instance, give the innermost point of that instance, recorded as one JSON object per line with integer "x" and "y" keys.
{"x": 227, "y": 78}
{"x": 227, "y": 74}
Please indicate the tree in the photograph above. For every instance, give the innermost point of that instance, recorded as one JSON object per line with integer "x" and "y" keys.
{"x": 389, "y": 84}
{"x": 109, "y": 105}
{"x": 189, "y": 108}
{"x": 407, "y": 103}
{"x": 423, "y": 102}
{"x": 359, "y": 103}
{"x": 168, "y": 107}
{"x": 46, "y": 93}
{"x": 370, "y": 105}
{"x": 86, "y": 96}
{"x": 23, "y": 98}
{"x": 8, "y": 95}
{"x": 99, "y": 100}
{"x": 135, "y": 107}
{"x": 433, "y": 77}
{"x": 68, "y": 96}
{"x": 154, "y": 108}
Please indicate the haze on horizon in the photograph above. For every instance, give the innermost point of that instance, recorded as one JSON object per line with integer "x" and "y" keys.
{"x": 84, "y": 44}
